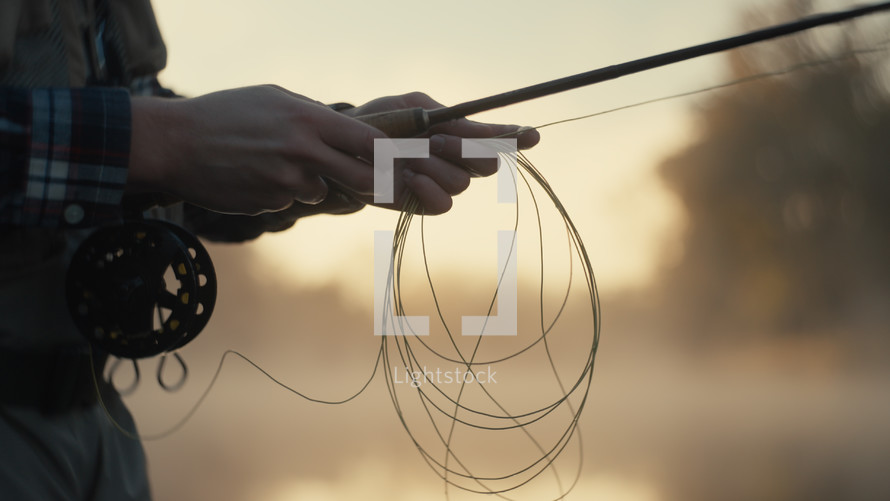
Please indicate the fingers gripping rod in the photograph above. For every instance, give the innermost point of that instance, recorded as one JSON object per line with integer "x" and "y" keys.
{"x": 414, "y": 121}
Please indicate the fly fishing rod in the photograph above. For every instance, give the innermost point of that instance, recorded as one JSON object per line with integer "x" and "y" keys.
{"x": 414, "y": 121}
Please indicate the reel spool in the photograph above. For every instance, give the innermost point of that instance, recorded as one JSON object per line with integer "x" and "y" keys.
{"x": 140, "y": 289}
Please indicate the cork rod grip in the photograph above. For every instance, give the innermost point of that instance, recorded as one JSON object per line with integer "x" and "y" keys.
{"x": 400, "y": 123}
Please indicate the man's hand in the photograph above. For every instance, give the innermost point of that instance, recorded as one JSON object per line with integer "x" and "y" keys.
{"x": 437, "y": 179}
{"x": 247, "y": 151}
{"x": 260, "y": 149}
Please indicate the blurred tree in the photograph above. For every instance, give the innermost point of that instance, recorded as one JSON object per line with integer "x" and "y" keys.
{"x": 787, "y": 191}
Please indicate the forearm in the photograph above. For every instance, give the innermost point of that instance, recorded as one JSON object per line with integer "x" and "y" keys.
{"x": 247, "y": 151}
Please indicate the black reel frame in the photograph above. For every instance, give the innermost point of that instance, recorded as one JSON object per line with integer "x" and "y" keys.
{"x": 141, "y": 288}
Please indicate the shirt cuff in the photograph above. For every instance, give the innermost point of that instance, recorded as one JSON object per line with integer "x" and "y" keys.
{"x": 78, "y": 149}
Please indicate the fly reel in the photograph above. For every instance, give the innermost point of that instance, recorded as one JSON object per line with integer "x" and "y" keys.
{"x": 141, "y": 288}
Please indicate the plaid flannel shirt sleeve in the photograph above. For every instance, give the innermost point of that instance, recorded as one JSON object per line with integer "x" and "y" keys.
{"x": 64, "y": 154}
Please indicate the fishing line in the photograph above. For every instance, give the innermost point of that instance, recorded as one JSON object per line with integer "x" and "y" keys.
{"x": 410, "y": 362}
{"x": 877, "y": 48}
{"x": 191, "y": 412}
{"x": 411, "y": 209}
{"x": 405, "y": 349}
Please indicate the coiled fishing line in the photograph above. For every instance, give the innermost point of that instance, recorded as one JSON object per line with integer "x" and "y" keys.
{"x": 406, "y": 352}
{"x": 455, "y": 405}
